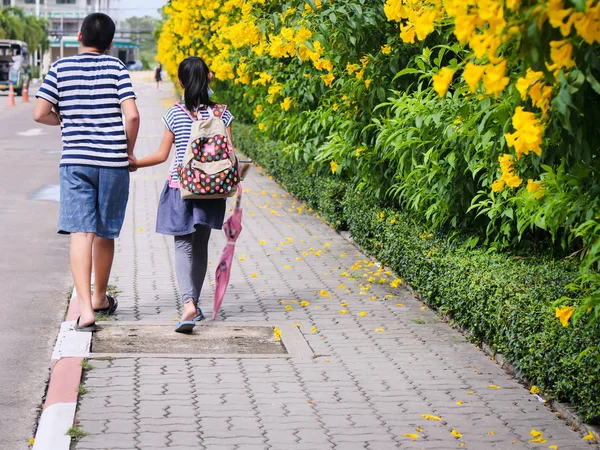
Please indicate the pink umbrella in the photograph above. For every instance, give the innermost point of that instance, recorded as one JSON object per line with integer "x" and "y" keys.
{"x": 232, "y": 228}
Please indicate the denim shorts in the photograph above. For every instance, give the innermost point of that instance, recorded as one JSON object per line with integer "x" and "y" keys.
{"x": 93, "y": 200}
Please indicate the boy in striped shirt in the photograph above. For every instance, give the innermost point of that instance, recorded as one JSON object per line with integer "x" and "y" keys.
{"x": 91, "y": 97}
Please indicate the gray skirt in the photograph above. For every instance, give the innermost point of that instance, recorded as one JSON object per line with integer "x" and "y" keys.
{"x": 177, "y": 217}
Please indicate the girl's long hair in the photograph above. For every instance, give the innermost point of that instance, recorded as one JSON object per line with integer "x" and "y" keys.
{"x": 193, "y": 74}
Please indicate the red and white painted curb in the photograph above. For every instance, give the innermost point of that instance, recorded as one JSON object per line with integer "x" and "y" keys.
{"x": 61, "y": 400}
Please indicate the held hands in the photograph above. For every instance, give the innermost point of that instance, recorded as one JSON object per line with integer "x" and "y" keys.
{"x": 132, "y": 163}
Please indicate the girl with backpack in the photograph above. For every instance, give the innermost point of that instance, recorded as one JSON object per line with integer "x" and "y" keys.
{"x": 190, "y": 221}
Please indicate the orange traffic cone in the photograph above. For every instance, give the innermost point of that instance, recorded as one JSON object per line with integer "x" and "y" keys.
{"x": 11, "y": 96}
{"x": 25, "y": 92}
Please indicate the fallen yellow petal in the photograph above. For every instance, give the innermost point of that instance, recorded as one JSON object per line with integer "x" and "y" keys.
{"x": 343, "y": 311}
{"x": 313, "y": 330}
{"x": 589, "y": 437}
{"x": 141, "y": 229}
{"x": 324, "y": 293}
{"x": 535, "y": 433}
{"x": 539, "y": 440}
{"x": 344, "y": 304}
{"x": 341, "y": 286}
{"x": 251, "y": 214}
{"x": 419, "y": 429}
{"x": 242, "y": 258}
{"x": 431, "y": 417}
{"x": 289, "y": 239}
{"x": 456, "y": 434}
{"x": 379, "y": 330}
{"x": 261, "y": 242}
{"x": 423, "y": 308}
{"x": 31, "y": 441}
{"x": 413, "y": 436}
{"x": 362, "y": 314}
{"x": 492, "y": 433}
{"x": 304, "y": 303}
{"x": 460, "y": 402}
{"x": 534, "y": 390}
{"x": 287, "y": 266}
{"x": 299, "y": 259}
{"x": 373, "y": 298}
{"x": 253, "y": 275}
{"x": 298, "y": 325}
{"x": 493, "y": 386}
{"x": 288, "y": 307}
{"x": 399, "y": 304}
{"x": 553, "y": 447}
{"x": 470, "y": 393}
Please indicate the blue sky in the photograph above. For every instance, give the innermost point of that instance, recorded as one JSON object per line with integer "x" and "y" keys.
{"x": 130, "y": 8}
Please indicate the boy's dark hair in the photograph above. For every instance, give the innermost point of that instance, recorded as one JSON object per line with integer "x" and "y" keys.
{"x": 97, "y": 31}
{"x": 193, "y": 74}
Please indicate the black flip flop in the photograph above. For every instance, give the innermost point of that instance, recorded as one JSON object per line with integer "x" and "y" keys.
{"x": 112, "y": 306}
{"x": 88, "y": 328}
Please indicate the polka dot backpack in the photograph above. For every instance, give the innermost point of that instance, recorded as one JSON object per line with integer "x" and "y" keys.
{"x": 209, "y": 168}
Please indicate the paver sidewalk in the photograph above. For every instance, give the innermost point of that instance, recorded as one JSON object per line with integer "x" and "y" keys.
{"x": 377, "y": 369}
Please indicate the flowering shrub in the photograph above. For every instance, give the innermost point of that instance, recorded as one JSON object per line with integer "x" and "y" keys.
{"x": 470, "y": 115}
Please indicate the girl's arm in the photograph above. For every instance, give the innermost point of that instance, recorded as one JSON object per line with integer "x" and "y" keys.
{"x": 160, "y": 156}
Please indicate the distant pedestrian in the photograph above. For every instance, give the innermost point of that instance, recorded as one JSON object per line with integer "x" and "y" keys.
{"x": 189, "y": 221}
{"x": 89, "y": 94}
{"x": 158, "y": 76}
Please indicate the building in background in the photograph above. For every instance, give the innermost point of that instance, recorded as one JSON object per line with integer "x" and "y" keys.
{"x": 65, "y": 17}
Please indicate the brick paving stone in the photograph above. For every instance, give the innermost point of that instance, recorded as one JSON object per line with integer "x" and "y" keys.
{"x": 363, "y": 390}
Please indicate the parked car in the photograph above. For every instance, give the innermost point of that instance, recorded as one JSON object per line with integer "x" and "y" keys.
{"x": 135, "y": 65}
{"x": 14, "y": 65}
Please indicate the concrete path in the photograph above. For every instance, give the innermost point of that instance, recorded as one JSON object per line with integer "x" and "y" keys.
{"x": 34, "y": 268}
{"x": 386, "y": 372}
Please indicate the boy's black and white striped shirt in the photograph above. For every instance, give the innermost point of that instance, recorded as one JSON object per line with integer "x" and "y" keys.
{"x": 88, "y": 90}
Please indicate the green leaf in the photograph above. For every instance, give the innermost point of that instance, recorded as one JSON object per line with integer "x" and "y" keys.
{"x": 592, "y": 80}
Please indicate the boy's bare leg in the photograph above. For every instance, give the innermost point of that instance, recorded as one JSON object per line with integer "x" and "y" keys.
{"x": 81, "y": 267}
{"x": 104, "y": 252}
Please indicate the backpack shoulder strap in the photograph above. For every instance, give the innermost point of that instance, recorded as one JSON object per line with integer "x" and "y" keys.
{"x": 185, "y": 110}
{"x": 218, "y": 110}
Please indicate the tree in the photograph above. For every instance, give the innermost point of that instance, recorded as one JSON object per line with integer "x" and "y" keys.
{"x": 15, "y": 24}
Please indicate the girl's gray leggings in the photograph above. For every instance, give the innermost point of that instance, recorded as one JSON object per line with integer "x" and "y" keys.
{"x": 191, "y": 260}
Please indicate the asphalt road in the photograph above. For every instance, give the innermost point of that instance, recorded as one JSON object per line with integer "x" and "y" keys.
{"x": 34, "y": 271}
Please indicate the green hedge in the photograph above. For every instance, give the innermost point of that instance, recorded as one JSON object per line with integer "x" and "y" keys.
{"x": 501, "y": 299}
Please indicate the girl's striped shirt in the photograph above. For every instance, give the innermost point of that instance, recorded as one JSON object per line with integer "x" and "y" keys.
{"x": 88, "y": 90}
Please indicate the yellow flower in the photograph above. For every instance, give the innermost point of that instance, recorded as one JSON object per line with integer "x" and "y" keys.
{"x": 386, "y": 49}
{"x": 373, "y": 298}
{"x": 261, "y": 126}
{"x": 535, "y": 188}
{"x": 253, "y": 275}
{"x": 288, "y": 307}
{"x": 442, "y": 80}
{"x": 431, "y": 417}
{"x": 460, "y": 402}
{"x": 397, "y": 282}
{"x": 456, "y": 434}
{"x": 498, "y": 185}
{"x": 334, "y": 166}
{"x": 286, "y": 104}
{"x": 564, "y": 313}
{"x": 362, "y": 314}
{"x": 528, "y": 135}
{"x": 412, "y": 436}
{"x": 367, "y": 83}
{"x": 324, "y": 293}
{"x": 407, "y": 33}
{"x": 534, "y": 390}
{"x": 495, "y": 79}
{"x": 343, "y": 311}
{"x": 328, "y": 79}
{"x": 261, "y": 242}
{"x": 424, "y": 24}
{"x": 313, "y": 330}
{"x": 472, "y": 74}
{"x": 341, "y": 286}
{"x": 561, "y": 54}
{"x": 589, "y": 437}
{"x": 304, "y": 303}
{"x": 277, "y": 333}
{"x": 351, "y": 68}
